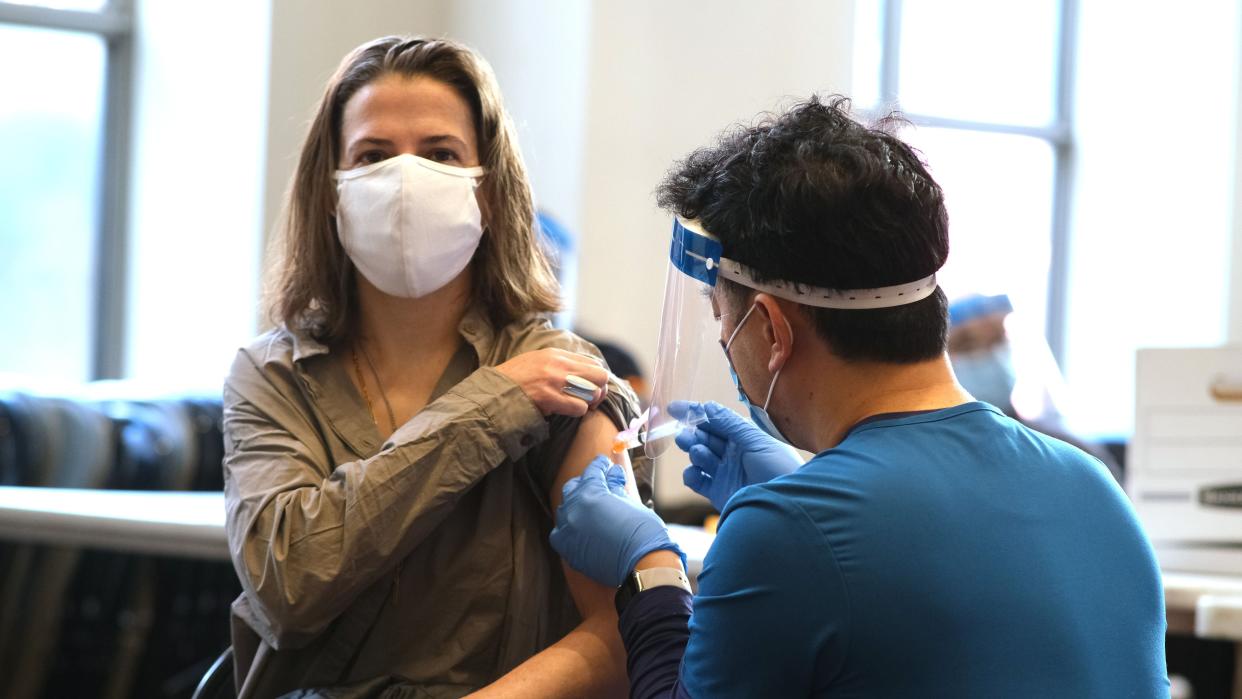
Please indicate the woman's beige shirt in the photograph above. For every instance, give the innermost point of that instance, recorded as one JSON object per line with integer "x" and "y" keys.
{"x": 423, "y": 557}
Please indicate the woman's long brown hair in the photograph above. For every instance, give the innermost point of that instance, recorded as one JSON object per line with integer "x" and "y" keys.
{"x": 313, "y": 279}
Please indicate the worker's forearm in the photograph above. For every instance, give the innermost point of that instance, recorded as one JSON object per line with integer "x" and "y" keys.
{"x": 655, "y": 629}
{"x": 588, "y": 662}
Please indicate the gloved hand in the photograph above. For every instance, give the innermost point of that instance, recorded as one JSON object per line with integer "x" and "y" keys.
{"x": 601, "y": 531}
{"x": 728, "y": 452}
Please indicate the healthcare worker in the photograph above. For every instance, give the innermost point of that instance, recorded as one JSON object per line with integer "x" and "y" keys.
{"x": 933, "y": 546}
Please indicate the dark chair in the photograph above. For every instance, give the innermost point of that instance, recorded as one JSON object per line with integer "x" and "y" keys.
{"x": 218, "y": 682}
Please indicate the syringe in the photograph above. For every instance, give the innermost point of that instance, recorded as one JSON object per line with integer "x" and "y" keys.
{"x": 634, "y": 436}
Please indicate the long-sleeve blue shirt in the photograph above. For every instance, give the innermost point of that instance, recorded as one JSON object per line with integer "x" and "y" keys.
{"x": 951, "y": 553}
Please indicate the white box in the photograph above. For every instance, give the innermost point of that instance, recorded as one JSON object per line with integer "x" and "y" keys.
{"x": 1184, "y": 467}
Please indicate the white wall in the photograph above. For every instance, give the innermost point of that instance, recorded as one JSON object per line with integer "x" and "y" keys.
{"x": 195, "y": 203}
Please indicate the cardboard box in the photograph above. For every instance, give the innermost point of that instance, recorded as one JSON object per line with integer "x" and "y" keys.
{"x": 1184, "y": 466}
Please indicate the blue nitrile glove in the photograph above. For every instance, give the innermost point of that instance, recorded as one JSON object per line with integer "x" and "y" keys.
{"x": 727, "y": 452}
{"x": 601, "y": 531}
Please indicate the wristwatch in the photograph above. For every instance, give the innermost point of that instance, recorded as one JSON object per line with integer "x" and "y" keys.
{"x": 646, "y": 579}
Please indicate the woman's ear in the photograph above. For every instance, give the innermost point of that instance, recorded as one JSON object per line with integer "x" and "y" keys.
{"x": 777, "y": 330}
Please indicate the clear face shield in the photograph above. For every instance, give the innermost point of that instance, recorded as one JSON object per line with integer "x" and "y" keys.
{"x": 690, "y": 332}
{"x": 688, "y": 328}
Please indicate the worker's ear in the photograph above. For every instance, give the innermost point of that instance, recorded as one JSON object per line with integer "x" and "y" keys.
{"x": 777, "y": 330}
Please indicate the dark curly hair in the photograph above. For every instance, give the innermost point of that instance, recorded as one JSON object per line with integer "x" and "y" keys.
{"x": 814, "y": 197}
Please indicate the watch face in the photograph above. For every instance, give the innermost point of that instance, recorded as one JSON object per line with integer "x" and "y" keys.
{"x": 626, "y": 592}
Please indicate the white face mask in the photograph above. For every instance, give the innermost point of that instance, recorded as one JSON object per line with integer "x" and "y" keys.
{"x": 409, "y": 224}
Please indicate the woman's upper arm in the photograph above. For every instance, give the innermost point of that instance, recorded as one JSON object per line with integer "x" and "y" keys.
{"x": 619, "y": 406}
{"x": 594, "y": 437}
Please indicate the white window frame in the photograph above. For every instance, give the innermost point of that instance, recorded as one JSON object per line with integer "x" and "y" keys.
{"x": 114, "y": 23}
{"x": 1059, "y": 135}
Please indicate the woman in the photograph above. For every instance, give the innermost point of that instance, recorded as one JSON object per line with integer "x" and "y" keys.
{"x": 396, "y": 446}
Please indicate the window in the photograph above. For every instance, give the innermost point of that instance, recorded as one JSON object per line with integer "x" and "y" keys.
{"x": 1071, "y": 175}
{"x": 62, "y": 130}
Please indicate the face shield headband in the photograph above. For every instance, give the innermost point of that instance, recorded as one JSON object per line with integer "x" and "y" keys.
{"x": 688, "y": 330}
{"x": 700, "y": 257}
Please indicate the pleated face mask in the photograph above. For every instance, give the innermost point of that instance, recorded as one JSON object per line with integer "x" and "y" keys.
{"x": 410, "y": 225}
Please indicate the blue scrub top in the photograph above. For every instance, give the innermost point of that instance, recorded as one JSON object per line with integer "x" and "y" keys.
{"x": 952, "y": 553}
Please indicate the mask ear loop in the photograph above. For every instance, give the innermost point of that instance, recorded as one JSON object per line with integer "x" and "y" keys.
{"x": 740, "y": 323}
{"x": 777, "y": 375}
{"x": 484, "y": 215}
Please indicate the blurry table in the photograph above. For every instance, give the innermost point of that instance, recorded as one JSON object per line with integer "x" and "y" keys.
{"x": 192, "y": 525}
{"x": 1203, "y": 605}
{"x": 170, "y": 523}
{"x": 1207, "y": 606}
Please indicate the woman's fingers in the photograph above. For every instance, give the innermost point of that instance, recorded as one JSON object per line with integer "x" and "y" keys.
{"x": 544, "y": 374}
{"x": 590, "y": 368}
{"x": 561, "y": 403}
{"x": 594, "y": 373}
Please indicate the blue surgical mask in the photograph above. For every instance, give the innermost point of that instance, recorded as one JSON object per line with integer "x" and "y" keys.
{"x": 988, "y": 375}
{"x": 757, "y": 415}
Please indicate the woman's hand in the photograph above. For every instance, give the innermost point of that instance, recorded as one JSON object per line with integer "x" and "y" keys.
{"x": 542, "y": 376}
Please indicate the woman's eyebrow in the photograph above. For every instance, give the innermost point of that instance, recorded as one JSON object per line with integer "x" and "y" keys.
{"x": 442, "y": 138}
{"x": 370, "y": 141}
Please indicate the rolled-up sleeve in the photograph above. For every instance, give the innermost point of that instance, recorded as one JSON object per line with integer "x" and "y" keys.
{"x": 620, "y": 406}
{"x": 307, "y": 535}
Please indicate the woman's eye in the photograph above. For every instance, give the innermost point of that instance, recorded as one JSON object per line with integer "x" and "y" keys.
{"x": 372, "y": 156}
{"x": 443, "y": 155}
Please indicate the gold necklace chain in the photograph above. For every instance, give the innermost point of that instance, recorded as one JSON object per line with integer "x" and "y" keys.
{"x": 366, "y": 396}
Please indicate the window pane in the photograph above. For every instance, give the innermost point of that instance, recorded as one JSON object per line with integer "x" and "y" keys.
{"x": 1154, "y": 202}
{"x": 979, "y": 59}
{"x": 998, "y": 190}
{"x": 49, "y": 135}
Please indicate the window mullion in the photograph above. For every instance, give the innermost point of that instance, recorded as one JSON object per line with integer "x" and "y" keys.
{"x": 1048, "y": 133}
{"x": 890, "y": 55}
{"x": 111, "y": 251}
{"x": 1059, "y": 262}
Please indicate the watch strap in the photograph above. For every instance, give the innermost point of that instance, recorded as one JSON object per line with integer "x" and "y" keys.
{"x": 646, "y": 579}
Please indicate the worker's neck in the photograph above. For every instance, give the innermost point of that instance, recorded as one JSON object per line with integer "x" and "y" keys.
{"x": 835, "y": 395}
